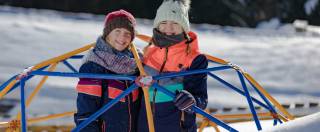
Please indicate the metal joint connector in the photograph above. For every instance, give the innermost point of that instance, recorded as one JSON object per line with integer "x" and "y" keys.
{"x": 144, "y": 81}
{"x": 24, "y": 73}
{"x": 236, "y": 67}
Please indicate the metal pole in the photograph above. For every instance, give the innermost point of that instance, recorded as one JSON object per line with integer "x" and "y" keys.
{"x": 236, "y": 89}
{"x": 26, "y": 79}
{"x": 271, "y": 108}
{"x": 23, "y": 107}
{"x": 5, "y": 84}
{"x": 145, "y": 90}
{"x": 76, "y": 57}
{"x": 65, "y": 62}
{"x": 253, "y": 111}
{"x": 191, "y": 72}
{"x": 265, "y": 93}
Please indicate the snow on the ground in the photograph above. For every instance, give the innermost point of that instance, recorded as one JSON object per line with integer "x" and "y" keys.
{"x": 308, "y": 123}
{"x": 283, "y": 61}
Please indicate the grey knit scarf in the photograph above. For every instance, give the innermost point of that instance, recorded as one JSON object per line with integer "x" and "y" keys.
{"x": 161, "y": 40}
{"x": 120, "y": 62}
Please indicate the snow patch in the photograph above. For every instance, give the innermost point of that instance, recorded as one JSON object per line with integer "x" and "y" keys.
{"x": 308, "y": 123}
{"x": 274, "y": 23}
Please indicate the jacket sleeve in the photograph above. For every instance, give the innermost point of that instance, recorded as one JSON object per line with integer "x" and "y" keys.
{"x": 196, "y": 84}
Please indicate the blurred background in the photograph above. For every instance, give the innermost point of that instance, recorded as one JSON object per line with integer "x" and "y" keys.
{"x": 243, "y": 13}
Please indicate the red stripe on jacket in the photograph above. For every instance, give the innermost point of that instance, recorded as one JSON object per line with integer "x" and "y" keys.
{"x": 93, "y": 87}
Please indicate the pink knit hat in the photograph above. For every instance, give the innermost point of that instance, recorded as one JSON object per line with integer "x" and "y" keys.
{"x": 119, "y": 19}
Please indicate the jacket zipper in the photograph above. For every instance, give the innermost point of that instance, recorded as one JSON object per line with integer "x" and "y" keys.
{"x": 155, "y": 90}
{"x": 129, "y": 110}
{"x": 165, "y": 60}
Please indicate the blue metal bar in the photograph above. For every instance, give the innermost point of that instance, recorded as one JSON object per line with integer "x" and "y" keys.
{"x": 253, "y": 111}
{"x": 236, "y": 89}
{"x": 280, "y": 121}
{"x": 105, "y": 108}
{"x": 23, "y": 106}
{"x": 184, "y": 73}
{"x": 65, "y": 62}
{"x": 196, "y": 109}
{"x": 84, "y": 75}
{"x": 5, "y": 84}
{"x": 26, "y": 79}
{"x": 271, "y": 108}
{"x": 76, "y": 57}
{"x": 274, "y": 122}
{"x": 18, "y": 83}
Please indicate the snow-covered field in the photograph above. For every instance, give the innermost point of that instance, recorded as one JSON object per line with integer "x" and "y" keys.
{"x": 283, "y": 61}
{"x": 308, "y": 123}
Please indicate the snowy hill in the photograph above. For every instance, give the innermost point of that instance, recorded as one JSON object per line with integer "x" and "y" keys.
{"x": 308, "y": 123}
{"x": 283, "y": 61}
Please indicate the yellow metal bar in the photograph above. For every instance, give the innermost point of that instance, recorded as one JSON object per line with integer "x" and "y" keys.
{"x": 282, "y": 118}
{"x": 3, "y": 124}
{"x": 53, "y": 116}
{"x": 265, "y": 93}
{"x": 48, "y": 62}
{"x": 37, "y": 89}
{"x": 6, "y": 89}
{"x": 203, "y": 125}
{"x": 144, "y": 37}
{"x": 205, "y": 121}
{"x": 267, "y": 114}
{"x": 215, "y": 126}
{"x": 145, "y": 89}
{"x": 44, "y": 118}
{"x": 239, "y": 115}
{"x": 62, "y": 57}
{"x": 215, "y": 59}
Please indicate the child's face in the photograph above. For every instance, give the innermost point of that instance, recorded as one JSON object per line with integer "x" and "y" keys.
{"x": 119, "y": 38}
{"x": 170, "y": 28}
